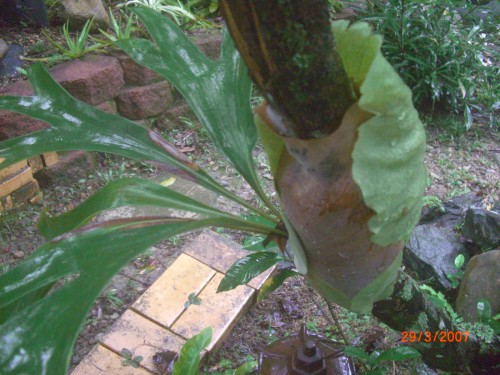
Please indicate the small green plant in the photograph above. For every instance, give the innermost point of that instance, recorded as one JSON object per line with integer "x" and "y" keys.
{"x": 175, "y": 9}
{"x": 483, "y": 311}
{"x": 130, "y": 358}
{"x": 312, "y": 325}
{"x": 373, "y": 361}
{"x": 192, "y": 300}
{"x": 74, "y": 47}
{"x": 121, "y": 32}
{"x": 39, "y": 48}
{"x": 433, "y": 201}
{"x": 113, "y": 298}
{"x": 188, "y": 362}
{"x": 459, "y": 273}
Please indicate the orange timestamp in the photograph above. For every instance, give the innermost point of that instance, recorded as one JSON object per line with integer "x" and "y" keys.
{"x": 437, "y": 336}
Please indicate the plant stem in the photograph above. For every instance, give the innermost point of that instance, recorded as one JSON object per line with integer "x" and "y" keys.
{"x": 337, "y": 322}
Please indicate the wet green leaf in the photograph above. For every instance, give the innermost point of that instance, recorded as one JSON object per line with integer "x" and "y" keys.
{"x": 459, "y": 261}
{"x": 55, "y": 320}
{"x": 118, "y": 193}
{"x": 247, "y": 268}
{"x": 483, "y": 309}
{"x": 399, "y": 353}
{"x": 79, "y": 126}
{"x": 85, "y": 261}
{"x": 217, "y": 91}
{"x": 274, "y": 282}
{"x": 388, "y": 156}
{"x": 189, "y": 356}
{"x": 273, "y": 144}
{"x": 352, "y": 351}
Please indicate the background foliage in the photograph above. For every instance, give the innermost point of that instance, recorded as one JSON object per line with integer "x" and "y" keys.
{"x": 440, "y": 52}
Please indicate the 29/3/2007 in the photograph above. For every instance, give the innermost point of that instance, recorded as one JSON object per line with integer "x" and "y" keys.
{"x": 437, "y": 336}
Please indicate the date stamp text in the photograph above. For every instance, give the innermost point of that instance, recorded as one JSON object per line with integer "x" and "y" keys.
{"x": 437, "y": 336}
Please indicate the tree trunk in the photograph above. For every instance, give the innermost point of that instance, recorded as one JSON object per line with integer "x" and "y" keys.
{"x": 290, "y": 51}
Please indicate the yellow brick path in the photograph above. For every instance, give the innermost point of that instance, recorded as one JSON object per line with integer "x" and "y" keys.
{"x": 158, "y": 320}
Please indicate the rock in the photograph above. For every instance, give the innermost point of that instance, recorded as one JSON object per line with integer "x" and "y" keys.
{"x": 18, "y": 254}
{"x": 209, "y": 43}
{"x": 79, "y": 11}
{"x": 454, "y": 211}
{"x": 482, "y": 227}
{"x": 3, "y": 48}
{"x": 135, "y": 74}
{"x": 481, "y": 280}
{"x": 431, "y": 252}
{"x": 109, "y": 106}
{"x": 171, "y": 118}
{"x": 11, "y": 61}
{"x": 92, "y": 79}
{"x": 14, "y": 124}
{"x": 140, "y": 102}
{"x": 70, "y": 168}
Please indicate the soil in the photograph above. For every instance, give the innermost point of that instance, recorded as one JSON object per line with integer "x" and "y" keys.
{"x": 456, "y": 164}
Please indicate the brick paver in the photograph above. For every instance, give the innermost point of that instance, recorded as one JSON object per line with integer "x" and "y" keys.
{"x": 159, "y": 321}
{"x": 220, "y": 311}
{"x": 164, "y": 301}
{"x": 102, "y": 361}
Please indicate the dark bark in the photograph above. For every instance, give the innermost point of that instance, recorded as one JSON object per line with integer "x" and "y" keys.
{"x": 290, "y": 51}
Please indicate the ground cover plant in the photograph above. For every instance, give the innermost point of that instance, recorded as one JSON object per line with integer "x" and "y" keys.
{"x": 144, "y": 144}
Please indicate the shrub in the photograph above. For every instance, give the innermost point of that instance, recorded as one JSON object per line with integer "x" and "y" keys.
{"x": 440, "y": 54}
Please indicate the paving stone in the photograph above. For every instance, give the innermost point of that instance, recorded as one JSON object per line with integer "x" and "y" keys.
{"x": 16, "y": 181}
{"x": 140, "y": 102}
{"x": 220, "y": 311}
{"x": 68, "y": 170}
{"x": 7, "y": 172}
{"x": 50, "y": 158}
{"x": 35, "y": 163}
{"x": 221, "y": 253}
{"x": 27, "y": 193}
{"x": 142, "y": 337}
{"x": 164, "y": 301}
{"x": 102, "y": 361}
{"x": 93, "y": 79}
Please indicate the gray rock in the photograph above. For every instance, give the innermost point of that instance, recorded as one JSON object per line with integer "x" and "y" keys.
{"x": 79, "y": 11}
{"x": 481, "y": 280}
{"x": 482, "y": 227}
{"x": 3, "y": 48}
{"x": 11, "y": 61}
{"x": 431, "y": 252}
{"x": 454, "y": 211}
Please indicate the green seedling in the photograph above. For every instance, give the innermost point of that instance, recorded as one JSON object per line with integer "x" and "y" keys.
{"x": 459, "y": 273}
{"x": 130, "y": 358}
